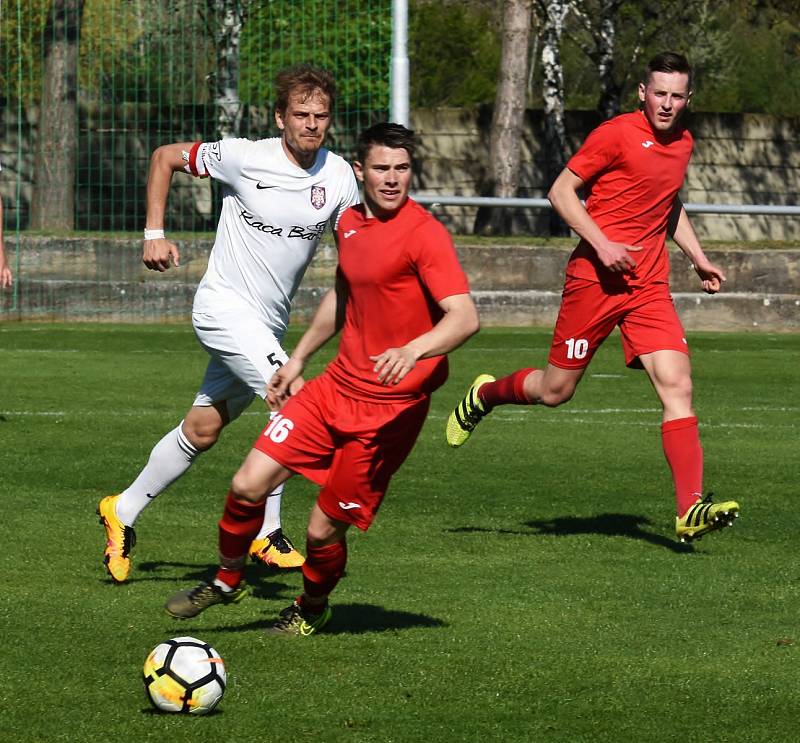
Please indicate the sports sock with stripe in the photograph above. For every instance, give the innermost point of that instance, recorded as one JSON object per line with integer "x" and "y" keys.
{"x": 169, "y": 459}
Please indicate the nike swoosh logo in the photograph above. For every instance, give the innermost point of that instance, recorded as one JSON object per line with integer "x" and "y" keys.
{"x": 260, "y": 186}
{"x": 348, "y": 506}
{"x": 349, "y": 233}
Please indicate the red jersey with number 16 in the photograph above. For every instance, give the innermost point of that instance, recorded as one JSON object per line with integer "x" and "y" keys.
{"x": 632, "y": 176}
{"x": 396, "y": 271}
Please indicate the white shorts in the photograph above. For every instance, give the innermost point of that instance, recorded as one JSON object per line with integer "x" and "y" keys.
{"x": 244, "y": 355}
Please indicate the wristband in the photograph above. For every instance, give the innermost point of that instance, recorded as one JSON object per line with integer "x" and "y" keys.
{"x": 153, "y": 234}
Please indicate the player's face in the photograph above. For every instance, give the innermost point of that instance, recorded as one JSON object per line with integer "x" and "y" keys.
{"x": 664, "y": 99}
{"x": 304, "y": 125}
{"x": 386, "y": 175}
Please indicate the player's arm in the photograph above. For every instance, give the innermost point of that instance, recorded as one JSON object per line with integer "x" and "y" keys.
{"x": 6, "y": 279}
{"x": 158, "y": 253}
{"x": 681, "y": 231}
{"x": 563, "y": 196}
{"x": 327, "y": 322}
{"x": 459, "y": 322}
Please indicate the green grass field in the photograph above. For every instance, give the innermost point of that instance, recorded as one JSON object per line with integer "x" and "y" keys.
{"x": 526, "y": 587}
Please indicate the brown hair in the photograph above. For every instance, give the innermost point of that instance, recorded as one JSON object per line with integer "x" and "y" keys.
{"x": 303, "y": 79}
{"x": 395, "y": 136}
{"x": 668, "y": 62}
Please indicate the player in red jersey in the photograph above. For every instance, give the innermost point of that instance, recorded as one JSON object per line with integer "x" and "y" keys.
{"x": 630, "y": 170}
{"x": 402, "y": 302}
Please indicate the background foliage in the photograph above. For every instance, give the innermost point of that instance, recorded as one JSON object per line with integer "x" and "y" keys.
{"x": 746, "y": 53}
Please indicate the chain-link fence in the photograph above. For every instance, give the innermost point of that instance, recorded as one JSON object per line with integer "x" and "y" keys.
{"x": 91, "y": 87}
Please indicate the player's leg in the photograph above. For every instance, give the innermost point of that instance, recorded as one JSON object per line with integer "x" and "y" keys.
{"x": 244, "y": 509}
{"x": 301, "y": 440}
{"x": 373, "y": 440}
{"x": 584, "y": 321}
{"x": 326, "y": 558}
{"x": 653, "y": 338}
{"x": 670, "y": 373}
{"x": 252, "y": 353}
{"x": 169, "y": 459}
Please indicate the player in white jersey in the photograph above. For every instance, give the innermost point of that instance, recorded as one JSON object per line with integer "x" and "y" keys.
{"x": 278, "y": 196}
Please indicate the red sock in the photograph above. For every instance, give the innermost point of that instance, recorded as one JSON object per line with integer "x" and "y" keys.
{"x": 238, "y": 527}
{"x": 684, "y": 454}
{"x": 505, "y": 391}
{"x": 323, "y": 568}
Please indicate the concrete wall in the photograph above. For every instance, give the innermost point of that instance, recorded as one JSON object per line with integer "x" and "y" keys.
{"x": 100, "y": 279}
{"x": 738, "y": 159}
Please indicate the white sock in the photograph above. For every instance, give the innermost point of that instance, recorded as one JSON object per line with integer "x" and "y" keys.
{"x": 224, "y": 586}
{"x": 272, "y": 513}
{"x": 170, "y": 458}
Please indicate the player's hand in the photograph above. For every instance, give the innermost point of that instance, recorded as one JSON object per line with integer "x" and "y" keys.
{"x": 6, "y": 279}
{"x": 158, "y": 254}
{"x": 393, "y": 364}
{"x": 617, "y": 257}
{"x": 285, "y": 382}
{"x": 711, "y": 277}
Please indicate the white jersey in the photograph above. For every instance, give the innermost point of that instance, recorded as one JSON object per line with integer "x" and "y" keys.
{"x": 273, "y": 216}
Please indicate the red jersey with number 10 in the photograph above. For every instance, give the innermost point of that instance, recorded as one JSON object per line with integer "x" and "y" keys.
{"x": 632, "y": 176}
{"x": 396, "y": 272}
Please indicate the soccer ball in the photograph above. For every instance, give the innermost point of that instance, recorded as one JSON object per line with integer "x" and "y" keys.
{"x": 184, "y": 675}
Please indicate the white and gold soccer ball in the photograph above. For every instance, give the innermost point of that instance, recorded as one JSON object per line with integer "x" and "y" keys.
{"x": 185, "y": 675}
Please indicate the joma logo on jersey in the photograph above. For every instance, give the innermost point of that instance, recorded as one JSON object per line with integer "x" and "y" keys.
{"x": 318, "y": 196}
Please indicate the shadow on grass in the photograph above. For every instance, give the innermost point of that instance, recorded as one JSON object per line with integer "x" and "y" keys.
{"x": 153, "y": 712}
{"x": 352, "y": 619}
{"x": 605, "y": 524}
{"x": 263, "y": 582}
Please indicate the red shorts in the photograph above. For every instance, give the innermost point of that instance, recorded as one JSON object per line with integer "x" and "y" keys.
{"x": 646, "y": 318}
{"x": 349, "y": 447}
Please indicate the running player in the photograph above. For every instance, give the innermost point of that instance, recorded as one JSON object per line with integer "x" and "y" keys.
{"x": 278, "y": 196}
{"x": 405, "y": 303}
{"x": 6, "y": 277}
{"x": 630, "y": 170}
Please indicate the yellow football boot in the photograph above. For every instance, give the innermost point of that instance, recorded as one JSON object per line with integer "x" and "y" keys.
{"x": 276, "y": 551}
{"x": 467, "y": 414}
{"x": 120, "y": 540}
{"x": 705, "y": 516}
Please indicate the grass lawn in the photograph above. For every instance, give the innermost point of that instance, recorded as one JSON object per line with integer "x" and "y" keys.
{"x": 527, "y": 587}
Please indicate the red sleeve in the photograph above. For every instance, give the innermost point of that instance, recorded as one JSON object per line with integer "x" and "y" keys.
{"x": 597, "y": 153}
{"x": 437, "y": 262}
{"x": 193, "y": 159}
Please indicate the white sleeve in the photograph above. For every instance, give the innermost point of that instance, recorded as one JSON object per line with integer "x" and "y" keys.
{"x": 221, "y": 160}
{"x": 350, "y": 197}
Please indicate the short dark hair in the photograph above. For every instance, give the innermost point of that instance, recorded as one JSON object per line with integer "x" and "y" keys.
{"x": 668, "y": 62}
{"x": 305, "y": 79}
{"x": 386, "y": 134}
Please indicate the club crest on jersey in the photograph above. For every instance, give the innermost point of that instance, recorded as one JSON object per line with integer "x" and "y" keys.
{"x": 318, "y": 196}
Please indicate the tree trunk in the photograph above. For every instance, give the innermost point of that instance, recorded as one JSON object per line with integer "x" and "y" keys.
{"x": 508, "y": 116}
{"x": 555, "y": 132}
{"x": 609, "y": 103}
{"x": 53, "y": 200}
{"x": 228, "y": 18}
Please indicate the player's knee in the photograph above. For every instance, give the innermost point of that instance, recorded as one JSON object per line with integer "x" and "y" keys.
{"x": 552, "y": 397}
{"x": 202, "y": 434}
{"x": 245, "y": 487}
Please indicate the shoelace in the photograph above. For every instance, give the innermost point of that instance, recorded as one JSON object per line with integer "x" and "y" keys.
{"x": 280, "y": 543}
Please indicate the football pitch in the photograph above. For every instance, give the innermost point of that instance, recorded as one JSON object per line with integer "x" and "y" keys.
{"x": 527, "y": 587}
